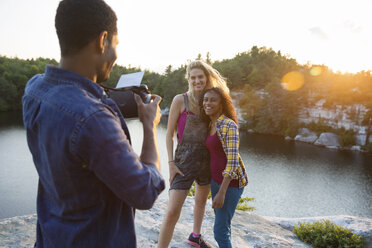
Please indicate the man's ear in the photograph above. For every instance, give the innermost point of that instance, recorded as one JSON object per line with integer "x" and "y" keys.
{"x": 102, "y": 41}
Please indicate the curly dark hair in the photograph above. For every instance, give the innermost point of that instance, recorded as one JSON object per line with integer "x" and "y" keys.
{"x": 228, "y": 108}
{"x": 78, "y": 22}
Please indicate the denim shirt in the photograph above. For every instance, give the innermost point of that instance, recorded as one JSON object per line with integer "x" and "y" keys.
{"x": 90, "y": 179}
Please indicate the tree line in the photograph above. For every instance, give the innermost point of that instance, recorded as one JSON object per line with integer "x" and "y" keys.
{"x": 14, "y": 74}
{"x": 257, "y": 74}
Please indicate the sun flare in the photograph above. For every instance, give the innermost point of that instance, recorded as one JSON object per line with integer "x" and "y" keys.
{"x": 292, "y": 81}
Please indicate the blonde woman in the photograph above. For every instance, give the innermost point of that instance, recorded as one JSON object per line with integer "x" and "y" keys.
{"x": 191, "y": 160}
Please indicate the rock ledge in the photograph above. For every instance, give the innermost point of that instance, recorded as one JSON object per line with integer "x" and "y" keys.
{"x": 248, "y": 230}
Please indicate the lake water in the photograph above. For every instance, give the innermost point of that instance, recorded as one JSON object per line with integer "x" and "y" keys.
{"x": 288, "y": 179}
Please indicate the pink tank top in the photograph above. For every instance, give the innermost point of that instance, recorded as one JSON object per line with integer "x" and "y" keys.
{"x": 181, "y": 123}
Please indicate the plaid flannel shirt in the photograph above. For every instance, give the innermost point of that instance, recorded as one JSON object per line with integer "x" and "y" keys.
{"x": 228, "y": 134}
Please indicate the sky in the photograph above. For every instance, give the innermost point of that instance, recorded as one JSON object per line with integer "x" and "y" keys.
{"x": 155, "y": 34}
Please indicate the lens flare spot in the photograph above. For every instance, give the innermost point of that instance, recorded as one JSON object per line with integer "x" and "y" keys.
{"x": 292, "y": 81}
{"x": 315, "y": 71}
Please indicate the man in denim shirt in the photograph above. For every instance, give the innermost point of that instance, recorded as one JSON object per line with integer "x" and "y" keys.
{"x": 90, "y": 179}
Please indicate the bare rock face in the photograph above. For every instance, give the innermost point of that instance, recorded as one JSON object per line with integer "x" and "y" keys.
{"x": 18, "y": 231}
{"x": 305, "y": 135}
{"x": 248, "y": 230}
{"x": 256, "y": 231}
{"x": 360, "y": 139}
{"x": 328, "y": 139}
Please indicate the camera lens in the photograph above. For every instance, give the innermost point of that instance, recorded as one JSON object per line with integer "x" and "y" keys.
{"x": 125, "y": 99}
{"x": 146, "y": 98}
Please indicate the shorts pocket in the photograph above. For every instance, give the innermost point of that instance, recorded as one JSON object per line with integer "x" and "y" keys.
{"x": 181, "y": 156}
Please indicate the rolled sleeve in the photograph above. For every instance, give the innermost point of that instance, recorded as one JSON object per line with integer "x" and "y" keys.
{"x": 232, "y": 151}
{"x": 103, "y": 147}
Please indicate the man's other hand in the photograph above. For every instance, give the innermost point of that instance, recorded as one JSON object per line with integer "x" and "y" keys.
{"x": 149, "y": 113}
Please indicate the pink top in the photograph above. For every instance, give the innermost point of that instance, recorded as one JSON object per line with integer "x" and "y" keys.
{"x": 181, "y": 123}
{"x": 218, "y": 160}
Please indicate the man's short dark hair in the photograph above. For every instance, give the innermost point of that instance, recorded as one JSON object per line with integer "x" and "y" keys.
{"x": 78, "y": 22}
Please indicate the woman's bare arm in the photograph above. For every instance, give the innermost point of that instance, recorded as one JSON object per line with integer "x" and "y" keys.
{"x": 176, "y": 109}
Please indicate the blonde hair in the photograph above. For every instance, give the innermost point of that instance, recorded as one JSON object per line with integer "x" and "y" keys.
{"x": 214, "y": 80}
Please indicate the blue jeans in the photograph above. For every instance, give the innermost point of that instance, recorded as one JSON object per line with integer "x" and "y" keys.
{"x": 224, "y": 215}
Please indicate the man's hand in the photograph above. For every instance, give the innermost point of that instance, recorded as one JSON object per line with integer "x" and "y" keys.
{"x": 149, "y": 113}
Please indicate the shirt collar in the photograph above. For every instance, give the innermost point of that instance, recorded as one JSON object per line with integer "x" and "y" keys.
{"x": 60, "y": 75}
{"x": 220, "y": 119}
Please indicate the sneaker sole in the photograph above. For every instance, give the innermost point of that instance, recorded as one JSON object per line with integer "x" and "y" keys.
{"x": 193, "y": 243}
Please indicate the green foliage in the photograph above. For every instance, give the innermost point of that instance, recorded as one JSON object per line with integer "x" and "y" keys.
{"x": 278, "y": 112}
{"x": 14, "y": 74}
{"x": 243, "y": 204}
{"x": 368, "y": 148}
{"x": 192, "y": 190}
{"x": 347, "y": 138}
{"x": 319, "y": 127}
{"x": 8, "y": 93}
{"x": 256, "y": 67}
{"x": 265, "y": 106}
{"x": 250, "y": 102}
{"x": 291, "y": 131}
{"x": 171, "y": 84}
{"x": 327, "y": 234}
{"x": 340, "y": 89}
{"x": 367, "y": 118}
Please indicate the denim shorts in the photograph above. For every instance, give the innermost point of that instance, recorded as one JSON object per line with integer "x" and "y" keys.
{"x": 193, "y": 161}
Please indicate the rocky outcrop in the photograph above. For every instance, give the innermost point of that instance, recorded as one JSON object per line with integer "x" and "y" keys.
{"x": 305, "y": 135}
{"x": 18, "y": 231}
{"x": 248, "y": 230}
{"x": 360, "y": 139}
{"x": 329, "y": 140}
{"x": 348, "y": 117}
